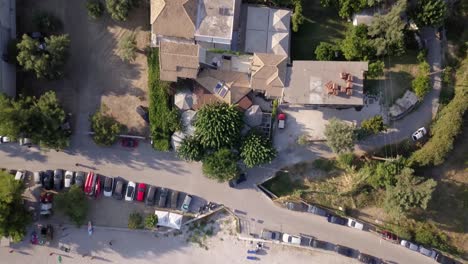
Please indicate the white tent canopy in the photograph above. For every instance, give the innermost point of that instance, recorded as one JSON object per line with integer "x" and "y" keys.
{"x": 184, "y": 99}
{"x": 253, "y": 116}
{"x": 188, "y": 119}
{"x": 176, "y": 139}
{"x": 169, "y": 219}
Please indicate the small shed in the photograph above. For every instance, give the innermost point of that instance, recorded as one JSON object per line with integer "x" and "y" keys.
{"x": 168, "y": 219}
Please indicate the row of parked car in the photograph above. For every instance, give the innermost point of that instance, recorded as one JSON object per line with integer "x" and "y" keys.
{"x": 22, "y": 141}
{"x": 94, "y": 184}
{"x": 308, "y": 241}
{"x": 387, "y": 235}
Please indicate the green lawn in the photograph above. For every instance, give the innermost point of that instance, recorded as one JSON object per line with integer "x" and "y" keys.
{"x": 399, "y": 72}
{"x": 320, "y": 25}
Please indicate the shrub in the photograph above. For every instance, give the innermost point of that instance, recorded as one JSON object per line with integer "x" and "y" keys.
{"x": 324, "y": 164}
{"x": 356, "y": 45}
{"x": 422, "y": 83}
{"x": 303, "y": 139}
{"x": 346, "y": 159}
{"x": 190, "y": 149}
{"x": 325, "y": 51}
{"x": 151, "y": 221}
{"x": 221, "y": 165}
{"x": 95, "y": 8}
{"x": 340, "y": 136}
{"x": 106, "y": 129}
{"x": 135, "y": 221}
{"x": 46, "y": 22}
{"x": 431, "y": 12}
{"x": 257, "y": 149}
{"x": 297, "y": 18}
{"x": 119, "y": 9}
{"x": 373, "y": 125}
{"x": 74, "y": 204}
{"x": 127, "y": 47}
{"x": 376, "y": 69}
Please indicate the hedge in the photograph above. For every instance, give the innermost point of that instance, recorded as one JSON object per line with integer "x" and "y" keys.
{"x": 164, "y": 120}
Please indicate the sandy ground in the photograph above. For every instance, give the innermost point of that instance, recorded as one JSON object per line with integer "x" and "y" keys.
{"x": 221, "y": 247}
{"x": 95, "y": 75}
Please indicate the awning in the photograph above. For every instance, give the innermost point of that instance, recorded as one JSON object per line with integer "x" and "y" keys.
{"x": 168, "y": 219}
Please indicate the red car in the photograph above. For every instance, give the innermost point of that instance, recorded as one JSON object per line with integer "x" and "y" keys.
{"x": 129, "y": 142}
{"x": 387, "y": 235}
{"x": 141, "y": 192}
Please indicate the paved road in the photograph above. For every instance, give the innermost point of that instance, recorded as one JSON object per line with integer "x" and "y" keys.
{"x": 163, "y": 169}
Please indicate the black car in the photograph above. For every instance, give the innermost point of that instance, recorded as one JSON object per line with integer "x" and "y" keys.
{"x": 345, "y": 251}
{"x": 58, "y": 179}
{"x": 174, "y": 199}
{"x": 316, "y": 210}
{"x": 296, "y": 206}
{"x": 163, "y": 192}
{"x": 368, "y": 259}
{"x": 48, "y": 180}
{"x": 143, "y": 112}
{"x": 240, "y": 179}
{"x": 318, "y": 244}
{"x": 334, "y": 219}
{"x": 446, "y": 260}
{"x": 150, "y": 195}
{"x": 119, "y": 190}
{"x": 79, "y": 178}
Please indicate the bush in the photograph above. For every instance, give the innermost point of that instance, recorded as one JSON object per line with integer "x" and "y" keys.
{"x": 376, "y": 69}
{"x": 163, "y": 119}
{"x": 257, "y": 149}
{"x": 47, "y": 23}
{"x": 106, "y": 129}
{"x": 95, "y": 8}
{"x": 356, "y": 45}
{"x": 297, "y": 18}
{"x": 447, "y": 92}
{"x": 325, "y": 51}
{"x": 373, "y": 125}
{"x": 119, "y": 9}
{"x": 190, "y": 149}
{"x": 346, "y": 159}
{"x": 221, "y": 165}
{"x": 431, "y": 12}
{"x": 303, "y": 139}
{"x": 422, "y": 83}
{"x": 74, "y": 204}
{"x": 135, "y": 221}
{"x": 340, "y": 136}
{"x": 324, "y": 164}
{"x": 127, "y": 47}
{"x": 151, "y": 221}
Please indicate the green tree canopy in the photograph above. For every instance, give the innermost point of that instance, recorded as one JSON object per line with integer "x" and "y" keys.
{"x": 221, "y": 165}
{"x": 340, "y": 136}
{"x": 127, "y": 47}
{"x": 326, "y": 51}
{"x": 431, "y": 12}
{"x": 14, "y": 218}
{"x": 95, "y": 8}
{"x": 257, "y": 149}
{"x": 297, "y": 18}
{"x": 408, "y": 193}
{"x": 356, "y": 45}
{"x": 151, "y": 221}
{"x": 376, "y": 69}
{"x": 422, "y": 83}
{"x": 74, "y": 204}
{"x": 190, "y": 149}
{"x": 135, "y": 221}
{"x": 119, "y": 9}
{"x": 347, "y": 8}
{"x": 45, "y": 60}
{"x": 218, "y": 126}
{"x": 373, "y": 125}
{"x": 105, "y": 128}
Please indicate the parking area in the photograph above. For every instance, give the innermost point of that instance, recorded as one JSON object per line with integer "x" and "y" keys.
{"x": 311, "y": 122}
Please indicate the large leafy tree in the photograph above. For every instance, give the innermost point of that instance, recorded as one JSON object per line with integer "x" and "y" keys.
{"x": 46, "y": 60}
{"x": 221, "y": 165}
{"x": 376, "y": 69}
{"x": 325, "y": 51}
{"x": 409, "y": 192}
{"x": 190, "y": 149}
{"x": 431, "y": 12}
{"x": 119, "y": 9}
{"x": 347, "y": 8}
{"x": 127, "y": 47}
{"x": 340, "y": 136}
{"x": 387, "y": 31}
{"x": 106, "y": 129}
{"x": 14, "y": 217}
{"x": 373, "y": 125}
{"x": 74, "y": 204}
{"x": 257, "y": 149}
{"x": 355, "y": 45}
{"x": 218, "y": 126}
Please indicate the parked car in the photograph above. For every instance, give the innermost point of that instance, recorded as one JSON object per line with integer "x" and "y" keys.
{"x": 446, "y": 260}
{"x": 345, "y": 251}
{"x": 5, "y": 139}
{"x": 163, "y": 192}
{"x": 20, "y": 175}
{"x": 25, "y": 142}
{"x": 108, "y": 186}
{"x": 119, "y": 189}
{"x": 418, "y": 134}
{"x": 316, "y": 210}
{"x": 281, "y": 120}
{"x": 306, "y": 240}
{"x": 143, "y": 112}
{"x": 129, "y": 142}
{"x": 79, "y": 178}
{"x": 287, "y": 238}
{"x": 355, "y": 224}
{"x": 150, "y": 196}
{"x": 368, "y": 259}
{"x": 387, "y": 235}
{"x": 296, "y": 206}
{"x": 48, "y": 180}
{"x": 37, "y": 176}
{"x": 334, "y": 219}
{"x": 271, "y": 235}
{"x": 130, "y": 193}
{"x": 174, "y": 199}
{"x": 318, "y": 244}
{"x": 58, "y": 179}
{"x": 141, "y": 192}
{"x": 91, "y": 184}
{"x": 68, "y": 179}
{"x": 240, "y": 179}
{"x": 428, "y": 252}
{"x": 409, "y": 245}
{"x": 186, "y": 204}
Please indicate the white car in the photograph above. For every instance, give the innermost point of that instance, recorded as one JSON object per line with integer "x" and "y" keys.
{"x": 68, "y": 179}
{"x": 291, "y": 239}
{"x": 355, "y": 224}
{"x": 428, "y": 252}
{"x": 108, "y": 186}
{"x": 409, "y": 245}
{"x": 4, "y": 139}
{"x": 418, "y": 134}
{"x": 20, "y": 175}
{"x": 130, "y": 192}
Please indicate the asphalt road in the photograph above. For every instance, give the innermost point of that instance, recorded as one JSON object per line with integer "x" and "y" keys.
{"x": 164, "y": 169}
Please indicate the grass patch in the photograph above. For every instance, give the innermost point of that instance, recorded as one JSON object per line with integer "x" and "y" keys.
{"x": 326, "y": 165}
{"x": 321, "y": 24}
{"x": 164, "y": 120}
{"x": 282, "y": 185}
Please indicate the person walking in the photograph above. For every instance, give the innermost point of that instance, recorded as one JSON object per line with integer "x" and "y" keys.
{"x": 60, "y": 259}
